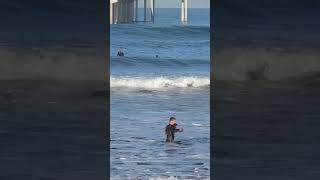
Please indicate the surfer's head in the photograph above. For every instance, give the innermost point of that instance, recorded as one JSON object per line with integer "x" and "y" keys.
{"x": 172, "y": 121}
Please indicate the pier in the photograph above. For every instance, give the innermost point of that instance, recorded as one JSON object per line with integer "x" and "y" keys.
{"x": 127, "y": 11}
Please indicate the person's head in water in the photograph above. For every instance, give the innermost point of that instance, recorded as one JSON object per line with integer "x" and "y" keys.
{"x": 120, "y": 52}
{"x": 172, "y": 121}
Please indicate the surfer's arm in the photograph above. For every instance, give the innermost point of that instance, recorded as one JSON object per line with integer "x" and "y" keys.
{"x": 179, "y": 130}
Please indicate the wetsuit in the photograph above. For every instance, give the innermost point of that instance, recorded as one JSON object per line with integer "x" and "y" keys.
{"x": 170, "y": 130}
{"x": 120, "y": 53}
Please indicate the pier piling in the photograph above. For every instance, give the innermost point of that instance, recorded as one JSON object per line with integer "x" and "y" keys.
{"x": 184, "y": 11}
{"x": 126, "y": 11}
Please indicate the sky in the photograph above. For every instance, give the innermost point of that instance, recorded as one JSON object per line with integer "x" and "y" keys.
{"x": 177, "y": 3}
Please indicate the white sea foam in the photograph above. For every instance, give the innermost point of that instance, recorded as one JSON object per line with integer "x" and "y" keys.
{"x": 199, "y": 156}
{"x": 197, "y": 124}
{"x": 173, "y": 178}
{"x": 160, "y": 82}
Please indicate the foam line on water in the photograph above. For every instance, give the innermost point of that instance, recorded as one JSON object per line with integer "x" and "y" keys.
{"x": 160, "y": 82}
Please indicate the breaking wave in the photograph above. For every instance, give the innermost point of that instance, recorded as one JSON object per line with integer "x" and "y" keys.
{"x": 160, "y": 82}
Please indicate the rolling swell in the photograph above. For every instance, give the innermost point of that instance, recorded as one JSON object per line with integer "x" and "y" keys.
{"x": 275, "y": 64}
{"x": 161, "y": 49}
{"x": 174, "y": 31}
{"x": 268, "y": 40}
{"x": 52, "y": 39}
{"x": 168, "y": 62}
{"x": 68, "y": 63}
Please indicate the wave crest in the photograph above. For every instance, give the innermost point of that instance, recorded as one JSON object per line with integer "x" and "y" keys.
{"x": 160, "y": 82}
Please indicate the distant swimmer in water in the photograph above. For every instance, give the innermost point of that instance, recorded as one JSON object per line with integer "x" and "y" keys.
{"x": 157, "y": 56}
{"x": 120, "y": 52}
{"x": 171, "y": 129}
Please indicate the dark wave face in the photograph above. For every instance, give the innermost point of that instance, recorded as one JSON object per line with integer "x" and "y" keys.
{"x": 269, "y": 40}
{"x": 242, "y": 63}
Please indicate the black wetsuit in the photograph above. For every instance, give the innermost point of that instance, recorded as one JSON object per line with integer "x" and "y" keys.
{"x": 170, "y": 130}
{"x": 120, "y": 53}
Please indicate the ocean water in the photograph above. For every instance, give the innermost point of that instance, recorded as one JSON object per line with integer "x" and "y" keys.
{"x": 266, "y": 91}
{"x": 53, "y": 121}
{"x": 146, "y": 90}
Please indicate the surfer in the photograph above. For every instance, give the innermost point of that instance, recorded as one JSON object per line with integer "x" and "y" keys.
{"x": 171, "y": 129}
{"x": 120, "y": 52}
